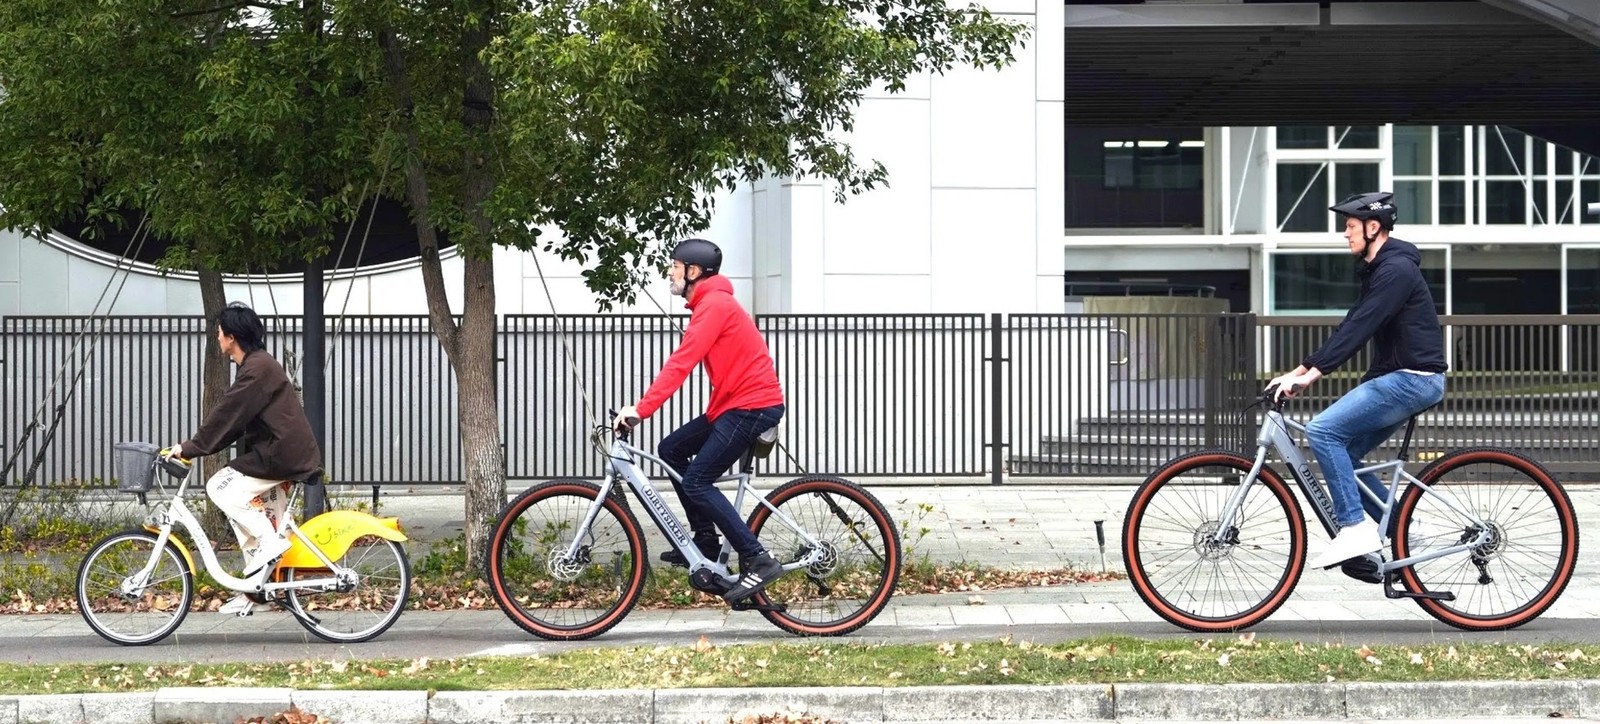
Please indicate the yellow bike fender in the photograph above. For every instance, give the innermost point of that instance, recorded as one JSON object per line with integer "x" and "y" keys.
{"x": 334, "y": 532}
{"x": 188, "y": 558}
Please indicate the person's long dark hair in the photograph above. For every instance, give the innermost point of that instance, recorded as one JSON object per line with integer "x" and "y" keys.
{"x": 241, "y": 323}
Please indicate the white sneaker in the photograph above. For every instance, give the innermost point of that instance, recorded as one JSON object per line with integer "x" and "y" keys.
{"x": 239, "y": 606}
{"x": 268, "y": 551}
{"x": 1356, "y": 540}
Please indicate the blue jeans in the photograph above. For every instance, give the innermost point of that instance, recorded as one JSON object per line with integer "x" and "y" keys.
{"x": 715, "y": 447}
{"x": 1359, "y": 422}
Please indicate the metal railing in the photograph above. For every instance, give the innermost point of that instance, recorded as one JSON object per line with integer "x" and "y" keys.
{"x": 953, "y": 396}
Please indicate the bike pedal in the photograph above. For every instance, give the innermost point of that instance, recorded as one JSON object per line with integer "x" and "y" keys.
{"x": 1363, "y": 568}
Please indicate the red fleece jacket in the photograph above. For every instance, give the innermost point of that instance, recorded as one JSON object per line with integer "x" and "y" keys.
{"x": 723, "y": 337}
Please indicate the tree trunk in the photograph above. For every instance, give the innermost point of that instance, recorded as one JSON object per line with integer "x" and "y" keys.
{"x": 470, "y": 346}
{"x": 214, "y": 382}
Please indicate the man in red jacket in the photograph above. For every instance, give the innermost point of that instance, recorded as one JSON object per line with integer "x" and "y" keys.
{"x": 746, "y": 400}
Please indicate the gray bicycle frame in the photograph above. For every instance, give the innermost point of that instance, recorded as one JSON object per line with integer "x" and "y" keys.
{"x": 1274, "y": 434}
{"x": 623, "y": 467}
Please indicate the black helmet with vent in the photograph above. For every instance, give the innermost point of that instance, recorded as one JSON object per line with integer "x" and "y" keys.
{"x": 1373, "y": 206}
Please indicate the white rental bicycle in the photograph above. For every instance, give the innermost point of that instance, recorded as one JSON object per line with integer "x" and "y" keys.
{"x": 345, "y": 577}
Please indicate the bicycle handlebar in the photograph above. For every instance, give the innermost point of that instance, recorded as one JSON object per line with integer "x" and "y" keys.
{"x": 1269, "y": 396}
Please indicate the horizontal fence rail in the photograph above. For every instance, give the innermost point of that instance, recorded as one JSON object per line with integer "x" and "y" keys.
{"x": 963, "y": 397}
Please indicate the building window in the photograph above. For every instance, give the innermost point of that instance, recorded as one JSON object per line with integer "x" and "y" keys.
{"x": 1583, "y": 281}
{"x": 1452, "y": 202}
{"x": 1413, "y": 150}
{"x": 1304, "y": 196}
{"x": 1135, "y": 178}
{"x": 1330, "y": 282}
{"x": 1355, "y": 136}
{"x": 1415, "y": 201}
{"x": 1154, "y": 165}
{"x": 1302, "y": 136}
{"x": 1505, "y": 202}
{"x": 1302, "y": 187}
{"x": 1452, "y": 150}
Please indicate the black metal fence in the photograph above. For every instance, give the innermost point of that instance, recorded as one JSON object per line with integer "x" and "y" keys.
{"x": 956, "y": 396}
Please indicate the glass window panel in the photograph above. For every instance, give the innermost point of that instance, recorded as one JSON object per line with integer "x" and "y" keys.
{"x": 1119, "y": 168}
{"x": 1541, "y": 204}
{"x": 1563, "y": 160}
{"x": 1583, "y": 281}
{"x": 1505, "y": 202}
{"x": 1452, "y": 150}
{"x": 1311, "y": 214}
{"x": 1314, "y": 282}
{"x": 1452, "y": 202}
{"x": 1587, "y": 165}
{"x": 1415, "y": 201}
{"x": 1354, "y": 178}
{"x": 1589, "y": 193}
{"x": 1173, "y": 167}
{"x": 1540, "y": 160}
{"x": 1433, "y": 271}
{"x": 1356, "y": 136}
{"x": 1503, "y": 157}
{"x": 1302, "y": 136}
{"x": 1564, "y": 205}
{"x": 1413, "y": 150}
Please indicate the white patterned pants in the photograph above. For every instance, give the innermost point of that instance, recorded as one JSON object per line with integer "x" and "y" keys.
{"x": 254, "y": 506}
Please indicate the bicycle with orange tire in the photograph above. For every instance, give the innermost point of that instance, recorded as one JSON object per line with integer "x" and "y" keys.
{"x": 1484, "y": 539}
{"x": 567, "y": 558}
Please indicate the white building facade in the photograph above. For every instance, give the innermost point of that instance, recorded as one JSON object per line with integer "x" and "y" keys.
{"x": 970, "y": 221}
{"x": 995, "y": 203}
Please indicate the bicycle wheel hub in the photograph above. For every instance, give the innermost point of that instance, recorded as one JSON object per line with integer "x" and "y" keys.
{"x": 825, "y": 558}
{"x": 1495, "y": 543}
{"x": 564, "y": 568}
{"x": 1208, "y": 544}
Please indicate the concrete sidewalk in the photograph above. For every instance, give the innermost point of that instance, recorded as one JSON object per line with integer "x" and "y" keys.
{"x": 1019, "y": 526}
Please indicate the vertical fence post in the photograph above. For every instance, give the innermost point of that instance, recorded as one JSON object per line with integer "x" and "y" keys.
{"x": 997, "y": 444}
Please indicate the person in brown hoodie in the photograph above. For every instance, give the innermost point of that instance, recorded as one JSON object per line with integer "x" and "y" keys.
{"x": 263, "y": 414}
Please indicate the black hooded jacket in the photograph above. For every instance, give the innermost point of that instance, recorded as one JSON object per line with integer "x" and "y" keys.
{"x": 1396, "y": 311}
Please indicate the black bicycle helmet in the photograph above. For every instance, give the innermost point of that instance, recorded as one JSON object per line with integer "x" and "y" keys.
{"x": 700, "y": 253}
{"x": 1372, "y": 206}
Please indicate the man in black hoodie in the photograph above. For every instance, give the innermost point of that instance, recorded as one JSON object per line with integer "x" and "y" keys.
{"x": 1406, "y": 376}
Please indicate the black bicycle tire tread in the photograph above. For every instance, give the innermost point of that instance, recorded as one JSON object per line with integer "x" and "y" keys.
{"x": 513, "y": 509}
{"x": 1453, "y": 459}
{"x": 867, "y": 614}
{"x": 1172, "y": 468}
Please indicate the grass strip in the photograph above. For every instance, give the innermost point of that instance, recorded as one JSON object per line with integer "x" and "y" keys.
{"x": 811, "y": 663}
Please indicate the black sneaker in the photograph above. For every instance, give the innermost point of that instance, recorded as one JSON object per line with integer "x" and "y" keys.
{"x": 709, "y": 549}
{"x": 764, "y": 569}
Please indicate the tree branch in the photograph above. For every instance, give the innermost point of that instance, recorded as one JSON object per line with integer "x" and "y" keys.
{"x": 229, "y": 6}
{"x": 444, "y": 324}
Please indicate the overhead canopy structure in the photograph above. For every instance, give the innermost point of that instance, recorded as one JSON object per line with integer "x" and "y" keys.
{"x": 1533, "y": 64}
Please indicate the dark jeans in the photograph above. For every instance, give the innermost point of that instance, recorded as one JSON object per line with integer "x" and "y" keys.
{"x": 715, "y": 447}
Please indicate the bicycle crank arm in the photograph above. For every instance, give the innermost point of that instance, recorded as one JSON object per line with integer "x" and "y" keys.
{"x": 746, "y": 605}
{"x": 1391, "y": 592}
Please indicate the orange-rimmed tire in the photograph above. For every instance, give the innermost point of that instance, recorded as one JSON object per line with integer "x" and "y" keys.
{"x": 552, "y": 589}
{"x": 1189, "y": 571}
{"x": 858, "y": 557}
{"x": 1527, "y": 559}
